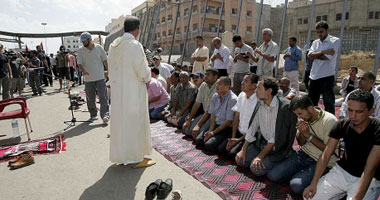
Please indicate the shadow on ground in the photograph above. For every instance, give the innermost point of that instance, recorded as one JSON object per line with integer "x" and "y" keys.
{"x": 80, "y": 128}
{"x": 118, "y": 182}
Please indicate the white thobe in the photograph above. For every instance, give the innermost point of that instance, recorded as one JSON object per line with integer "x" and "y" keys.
{"x": 129, "y": 126}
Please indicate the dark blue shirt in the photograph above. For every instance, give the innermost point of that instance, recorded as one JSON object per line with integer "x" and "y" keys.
{"x": 3, "y": 65}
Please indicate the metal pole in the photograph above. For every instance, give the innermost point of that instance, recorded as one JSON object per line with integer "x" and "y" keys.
{"x": 377, "y": 56}
{"x": 309, "y": 35}
{"x": 259, "y": 21}
{"x": 62, "y": 40}
{"x": 175, "y": 30}
{"x": 143, "y": 19}
{"x": 238, "y": 19}
{"x": 187, "y": 31}
{"x": 281, "y": 33}
{"x": 151, "y": 12}
{"x": 155, "y": 25}
{"x": 19, "y": 42}
{"x": 341, "y": 39}
{"x": 100, "y": 39}
{"x": 204, "y": 17}
{"x": 220, "y": 18}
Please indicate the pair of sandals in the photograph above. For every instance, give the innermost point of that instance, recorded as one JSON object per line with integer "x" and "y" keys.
{"x": 159, "y": 188}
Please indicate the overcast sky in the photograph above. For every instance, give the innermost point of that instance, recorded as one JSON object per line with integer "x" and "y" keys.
{"x": 62, "y": 16}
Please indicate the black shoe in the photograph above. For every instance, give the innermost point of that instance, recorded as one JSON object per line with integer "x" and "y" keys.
{"x": 151, "y": 190}
{"x": 34, "y": 94}
{"x": 165, "y": 189}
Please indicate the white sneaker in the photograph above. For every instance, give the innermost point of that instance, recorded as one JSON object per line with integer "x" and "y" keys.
{"x": 106, "y": 119}
{"x": 93, "y": 118}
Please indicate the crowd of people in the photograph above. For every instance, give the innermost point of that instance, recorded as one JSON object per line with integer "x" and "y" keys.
{"x": 233, "y": 105}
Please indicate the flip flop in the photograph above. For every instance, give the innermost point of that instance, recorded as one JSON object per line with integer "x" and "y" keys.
{"x": 151, "y": 190}
{"x": 164, "y": 189}
{"x": 145, "y": 163}
{"x": 177, "y": 195}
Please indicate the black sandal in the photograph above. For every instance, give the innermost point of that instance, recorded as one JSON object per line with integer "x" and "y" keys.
{"x": 151, "y": 190}
{"x": 165, "y": 189}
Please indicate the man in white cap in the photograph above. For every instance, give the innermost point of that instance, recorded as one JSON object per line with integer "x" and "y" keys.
{"x": 92, "y": 60}
{"x": 129, "y": 74}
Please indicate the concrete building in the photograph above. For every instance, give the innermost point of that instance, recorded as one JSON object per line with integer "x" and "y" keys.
{"x": 142, "y": 8}
{"x": 165, "y": 26}
{"x": 361, "y": 25}
{"x": 115, "y": 25}
{"x": 72, "y": 43}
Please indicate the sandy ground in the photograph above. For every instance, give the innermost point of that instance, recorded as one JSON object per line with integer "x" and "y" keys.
{"x": 83, "y": 171}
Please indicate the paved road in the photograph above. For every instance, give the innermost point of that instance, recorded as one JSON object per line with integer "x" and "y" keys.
{"x": 83, "y": 171}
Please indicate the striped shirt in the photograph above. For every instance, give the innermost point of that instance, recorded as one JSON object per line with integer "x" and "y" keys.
{"x": 265, "y": 120}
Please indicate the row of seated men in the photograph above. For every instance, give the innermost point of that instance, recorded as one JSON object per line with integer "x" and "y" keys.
{"x": 258, "y": 129}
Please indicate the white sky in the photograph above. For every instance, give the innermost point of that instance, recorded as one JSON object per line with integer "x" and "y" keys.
{"x": 63, "y": 16}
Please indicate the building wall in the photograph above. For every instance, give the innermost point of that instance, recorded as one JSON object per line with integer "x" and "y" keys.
{"x": 72, "y": 43}
{"x": 115, "y": 25}
{"x": 360, "y": 31}
{"x": 165, "y": 27}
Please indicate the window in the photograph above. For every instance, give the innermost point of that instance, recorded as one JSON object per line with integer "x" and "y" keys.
{"x": 178, "y": 31}
{"x": 170, "y": 17}
{"x": 306, "y": 20}
{"x": 370, "y": 15}
{"x": 195, "y": 9}
{"x": 249, "y": 13}
{"x": 338, "y": 17}
{"x": 249, "y": 29}
{"x": 234, "y": 11}
{"x": 299, "y": 20}
{"x": 170, "y": 33}
{"x": 324, "y": 18}
{"x": 68, "y": 46}
{"x": 318, "y": 18}
{"x": 186, "y": 12}
{"x": 233, "y": 27}
{"x": 164, "y": 34}
{"x": 213, "y": 27}
{"x": 163, "y": 20}
{"x": 347, "y": 15}
{"x": 212, "y": 10}
{"x": 195, "y": 27}
{"x": 377, "y": 15}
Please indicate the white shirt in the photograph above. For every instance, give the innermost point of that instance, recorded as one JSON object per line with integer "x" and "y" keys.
{"x": 343, "y": 111}
{"x": 265, "y": 119}
{"x": 164, "y": 71}
{"x": 245, "y": 107}
{"x": 225, "y": 54}
{"x": 324, "y": 68}
{"x": 170, "y": 67}
{"x": 162, "y": 81}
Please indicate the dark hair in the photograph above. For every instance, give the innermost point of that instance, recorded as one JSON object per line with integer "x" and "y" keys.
{"x": 270, "y": 83}
{"x": 176, "y": 74}
{"x": 301, "y": 101}
{"x": 236, "y": 38}
{"x": 252, "y": 43}
{"x": 354, "y": 68}
{"x": 225, "y": 80}
{"x": 254, "y": 77}
{"x": 155, "y": 70}
{"x": 362, "y": 96}
{"x": 37, "y": 46}
{"x": 199, "y": 37}
{"x": 33, "y": 52}
{"x": 213, "y": 71}
{"x": 369, "y": 75}
{"x": 322, "y": 24}
{"x": 293, "y": 38}
{"x": 131, "y": 23}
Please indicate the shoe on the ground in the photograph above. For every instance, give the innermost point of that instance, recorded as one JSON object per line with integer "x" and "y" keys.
{"x": 34, "y": 94}
{"x": 165, "y": 189}
{"x": 151, "y": 190}
{"x": 17, "y": 158}
{"x": 94, "y": 118}
{"x": 23, "y": 162}
{"x": 106, "y": 119}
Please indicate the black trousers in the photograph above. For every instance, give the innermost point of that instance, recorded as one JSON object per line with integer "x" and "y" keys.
{"x": 324, "y": 86}
{"x": 306, "y": 79}
{"x": 222, "y": 72}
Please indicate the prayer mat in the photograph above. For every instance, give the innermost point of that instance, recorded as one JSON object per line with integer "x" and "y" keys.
{"x": 218, "y": 173}
{"x": 43, "y": 146}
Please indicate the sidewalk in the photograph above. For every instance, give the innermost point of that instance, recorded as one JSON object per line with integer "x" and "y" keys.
{"x": 83, "y": 171}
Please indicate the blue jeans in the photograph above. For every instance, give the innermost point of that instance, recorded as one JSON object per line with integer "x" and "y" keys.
{"x": 154, "y": 113}
{"x": 298, "y": 167}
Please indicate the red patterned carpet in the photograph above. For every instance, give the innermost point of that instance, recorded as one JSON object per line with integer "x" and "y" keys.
{"x": 217, "y": 173}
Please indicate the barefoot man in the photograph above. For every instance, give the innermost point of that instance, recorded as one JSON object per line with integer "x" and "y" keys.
{"x": 129, "y": 73}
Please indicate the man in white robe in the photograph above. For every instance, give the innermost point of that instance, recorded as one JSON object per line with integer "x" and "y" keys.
{"x": 129, "y": 73}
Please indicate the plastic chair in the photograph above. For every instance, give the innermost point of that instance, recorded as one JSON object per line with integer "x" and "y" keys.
{"x": 23, "y": 112}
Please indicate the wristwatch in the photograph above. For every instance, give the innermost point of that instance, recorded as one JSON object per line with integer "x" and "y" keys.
{"x": 310, "y": 138}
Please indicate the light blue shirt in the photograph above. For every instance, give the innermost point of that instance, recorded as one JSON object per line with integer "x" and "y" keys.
{"x": 222, "y": 109}
{"x": 291, "y": 62}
